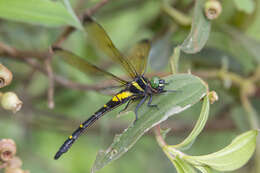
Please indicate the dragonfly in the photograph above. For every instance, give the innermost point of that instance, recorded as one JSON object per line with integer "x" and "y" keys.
{"x": 137, "y": 88}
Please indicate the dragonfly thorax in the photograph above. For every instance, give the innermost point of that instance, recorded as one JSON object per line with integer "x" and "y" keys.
{"x": 142, "y": 85}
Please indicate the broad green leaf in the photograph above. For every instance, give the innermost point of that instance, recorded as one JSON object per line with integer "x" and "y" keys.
{"x": 182, "y": 166}
{"x": 40, "y": 12}
{"x": 200, "y": 30}
{"x": 232, "y": 157}
{"x": 198, "y": 127}
{"x": 245, "y": 6}
{"x": 189, "y": 90}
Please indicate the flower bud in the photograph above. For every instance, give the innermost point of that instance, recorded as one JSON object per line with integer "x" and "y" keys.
{"x": 7, "y": 149}
{"x": 6, "y": 76}
{"x": 10, "y": 101}
{"x": 212, "y": 9}
{"x": 213, "y": 96}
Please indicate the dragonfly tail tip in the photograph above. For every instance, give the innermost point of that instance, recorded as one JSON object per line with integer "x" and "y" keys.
{"x": 57, "y": 155}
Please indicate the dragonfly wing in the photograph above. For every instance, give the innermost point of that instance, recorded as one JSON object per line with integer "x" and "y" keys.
{"x": 138, "y": 55}
{"x": 82, "y": 64}
{"x": 102, "y": 41}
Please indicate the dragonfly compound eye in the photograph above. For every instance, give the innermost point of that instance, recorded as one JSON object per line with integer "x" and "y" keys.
{"x": 155, "y": 81}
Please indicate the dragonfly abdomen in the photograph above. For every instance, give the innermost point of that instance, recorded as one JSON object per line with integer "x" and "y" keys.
{"x": 117, "y": 100}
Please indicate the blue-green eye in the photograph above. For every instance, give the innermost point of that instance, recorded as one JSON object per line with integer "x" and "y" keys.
{"x": 155, "y": 82}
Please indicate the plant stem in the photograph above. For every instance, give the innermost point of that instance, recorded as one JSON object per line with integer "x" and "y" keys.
{"x": 159, "y": 138}
{"x": 178, "y": 16}
{"x": 174, "y": 60}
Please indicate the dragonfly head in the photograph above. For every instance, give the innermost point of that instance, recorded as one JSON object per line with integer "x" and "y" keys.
{"x": 157, "y": 83}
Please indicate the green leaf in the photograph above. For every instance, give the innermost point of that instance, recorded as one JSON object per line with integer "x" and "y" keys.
{"x": 189, "y": 90}
{"x": 251, "y": 45}
{"x": 204, "y": 169}
{"x": 232, "y": 157}
{"x": 40, "y": 12}
{"x": 178, "y": 166}
{"x": 253, "y": 28}
{"x": 245, "y": 6}
{"x": 182, "y": 166}
{"x": 200, "y": 30}
{"x": 71, "y": 12}
{"x": 161, "y": 48}
{"x": 164, "y": 132}
{"x": 198, "y": 127}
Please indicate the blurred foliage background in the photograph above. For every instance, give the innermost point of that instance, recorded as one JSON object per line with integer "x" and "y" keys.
{"x": 229, "y": 59}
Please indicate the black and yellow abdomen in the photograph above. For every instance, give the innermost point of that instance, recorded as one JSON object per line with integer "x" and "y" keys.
{"x": 120, "y": 98}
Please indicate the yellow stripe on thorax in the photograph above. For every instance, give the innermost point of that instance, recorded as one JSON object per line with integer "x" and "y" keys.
{"x": 122, "y": 96}
{"x": 137, "y": 86}
{"x": 144, "y": 81}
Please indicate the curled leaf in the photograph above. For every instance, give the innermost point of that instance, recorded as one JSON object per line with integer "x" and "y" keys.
{"x": 232, "y": 157}
{"x": 200, "y": 30}
{"x": 198, "y": 127}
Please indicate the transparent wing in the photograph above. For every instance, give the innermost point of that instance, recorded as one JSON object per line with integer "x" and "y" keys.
{"x": 102, "y": 41}
{"x": 138, "y": 55}
{"x": 82, "y": 64}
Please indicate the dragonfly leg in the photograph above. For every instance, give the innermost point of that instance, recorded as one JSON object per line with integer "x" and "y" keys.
{"x": 128, "y": 103}
{"x": 138, "y": 106}
{"x": 150, "y": 103}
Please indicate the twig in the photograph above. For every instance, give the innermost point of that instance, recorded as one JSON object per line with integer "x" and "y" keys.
{"x": 94, "y": 9}
{"x": 63, "y": 81}
{"x": 51, "y": 103}
{"x": 22, "y": 55}
{"x": 178, "y": 16}
{"x": 13, "y": 52}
